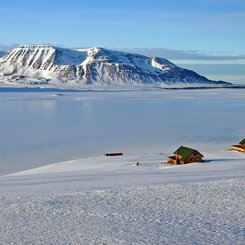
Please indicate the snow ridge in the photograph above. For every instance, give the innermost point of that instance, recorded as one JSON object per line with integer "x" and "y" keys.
{"x": 46, "y": 64}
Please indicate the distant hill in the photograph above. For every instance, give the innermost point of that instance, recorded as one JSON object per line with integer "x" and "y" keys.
{"x": 59, "y": 67}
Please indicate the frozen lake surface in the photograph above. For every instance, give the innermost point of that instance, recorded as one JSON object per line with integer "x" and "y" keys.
{"x": 39, "y": 128}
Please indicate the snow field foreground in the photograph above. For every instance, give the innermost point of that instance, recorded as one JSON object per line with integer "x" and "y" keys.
{"x": 194, "y": 213}
{"x": 104, "y": 200}
{"x": 101, "y": 173}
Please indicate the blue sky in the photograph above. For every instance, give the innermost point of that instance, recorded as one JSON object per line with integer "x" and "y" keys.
{"x": 196, "y": 28}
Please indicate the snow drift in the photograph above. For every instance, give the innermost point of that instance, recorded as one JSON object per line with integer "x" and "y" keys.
{"x": 45, "y": 64}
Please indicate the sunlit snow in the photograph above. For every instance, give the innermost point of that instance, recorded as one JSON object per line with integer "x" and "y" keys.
{"x": 56, "y": 186}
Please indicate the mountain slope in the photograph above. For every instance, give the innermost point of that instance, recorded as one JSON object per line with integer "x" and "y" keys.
{"x": 45, "y": 64}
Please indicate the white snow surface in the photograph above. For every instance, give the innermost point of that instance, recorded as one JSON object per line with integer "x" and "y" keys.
{"x": 110, "y": 200}
{"x": 45, "y": 65}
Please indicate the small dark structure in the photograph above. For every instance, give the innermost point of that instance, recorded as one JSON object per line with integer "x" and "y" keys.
{"x": 185, "y": 155}
{"x": 240, "y": 147}
{"x": 113, "y": 154}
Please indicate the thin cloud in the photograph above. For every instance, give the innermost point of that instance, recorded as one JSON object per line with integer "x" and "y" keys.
{"x": 238, "y": 15}
{"x": 7, "y": 47}
{"x": 228, "y": 2}
{"x": 171, "y": 54}
{"x": 42, "y": 15}
{"x": 184, "y": 55}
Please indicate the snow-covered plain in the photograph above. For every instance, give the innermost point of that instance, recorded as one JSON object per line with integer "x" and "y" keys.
{"x": 108, "y": 200}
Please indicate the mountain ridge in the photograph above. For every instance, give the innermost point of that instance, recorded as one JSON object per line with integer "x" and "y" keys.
{"x": 62, "y": 67}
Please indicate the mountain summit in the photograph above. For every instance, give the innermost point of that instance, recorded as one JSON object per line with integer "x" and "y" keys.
{"x": 59, "y": 67}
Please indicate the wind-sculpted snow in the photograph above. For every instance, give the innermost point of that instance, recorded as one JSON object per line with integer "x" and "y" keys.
{"x": 201, "y": 213}
{"x": 45, "y": 64}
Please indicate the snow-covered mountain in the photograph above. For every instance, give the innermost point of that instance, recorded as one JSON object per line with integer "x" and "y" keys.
{"x": 59, "y": 67}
